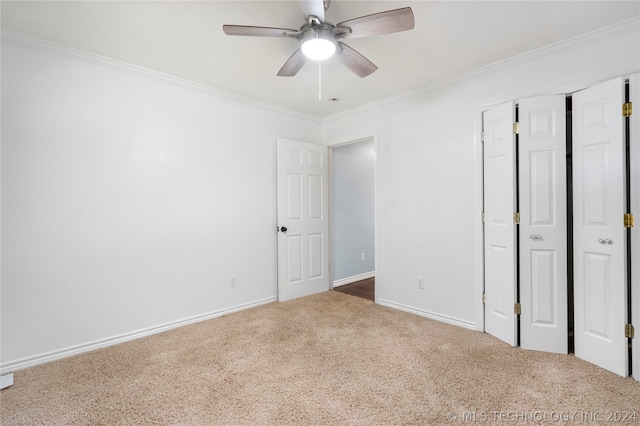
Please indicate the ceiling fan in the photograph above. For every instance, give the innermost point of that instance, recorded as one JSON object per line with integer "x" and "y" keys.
{"x": 320, "y": 39}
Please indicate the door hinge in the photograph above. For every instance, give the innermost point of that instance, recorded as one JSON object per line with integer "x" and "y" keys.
{"x": 629, "y": 331}
{"x": 628, "y": 220}
{"x": 484, "y": 216}
{"x": 517, "y": 309}
{"x": 516, "y": 128}
{"x": 484, "y": 297}
{"x": 481, "y": 136}
{"x": 516, "y": 218}
{"x": 627, "y": 109}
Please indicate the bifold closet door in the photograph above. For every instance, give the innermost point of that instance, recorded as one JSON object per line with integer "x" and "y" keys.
{"x": 599, "y": 200}
{"x": 499, "y": 226}
{"x": 543, "y": 224}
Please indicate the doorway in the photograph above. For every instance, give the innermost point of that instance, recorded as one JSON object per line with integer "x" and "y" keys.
{"x": 352, "y": 202}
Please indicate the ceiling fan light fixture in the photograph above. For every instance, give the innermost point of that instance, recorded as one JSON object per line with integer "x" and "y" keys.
{"x": 318, "y": 43}
{"x": 318, "y": 49}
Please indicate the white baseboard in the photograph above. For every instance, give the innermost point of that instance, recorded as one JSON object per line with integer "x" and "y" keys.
{"x": 353, "y": 279}
{"x": 435, "y": 316}
{"x": 13, "y": 366}
{"x": 6, "y": 380}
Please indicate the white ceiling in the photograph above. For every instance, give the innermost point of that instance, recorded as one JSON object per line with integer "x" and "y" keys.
{"x": 185, "y": 39}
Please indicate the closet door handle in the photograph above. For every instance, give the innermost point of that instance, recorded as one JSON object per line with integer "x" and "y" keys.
{"x": 605, "y": 241}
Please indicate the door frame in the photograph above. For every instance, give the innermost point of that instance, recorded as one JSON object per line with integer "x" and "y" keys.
{"x": 634, "y": 157}
{"x": 478, "y": 214}
{"x": 376, "y": 243}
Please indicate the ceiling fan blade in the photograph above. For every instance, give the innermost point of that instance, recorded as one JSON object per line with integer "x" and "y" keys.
{"x": 353, "y": 60}
{"x": 312, "y": 7}
{"x": 246, "y": 30}
{"x": 293, "y": 64}
{"x": 387, "y": 22}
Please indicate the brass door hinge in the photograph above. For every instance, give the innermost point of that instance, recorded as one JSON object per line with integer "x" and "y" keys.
{"x": 517, "y": 309}
{"x": 629, "y": 332}
{"x": 516, "y": 128}
{"x": 484, "y": 297}
{"x": 516, "y": 217}
{"x": 627, "y": 109}
{"x": 628, "y": 220}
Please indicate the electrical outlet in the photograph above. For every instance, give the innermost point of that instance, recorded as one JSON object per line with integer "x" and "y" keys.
{"x": 363, "y": 257}
{"x": 233, "y": 282}
{"x": 420, "y": 282}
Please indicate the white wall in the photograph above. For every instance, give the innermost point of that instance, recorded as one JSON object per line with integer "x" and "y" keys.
{"x": 428, "y": 160}
{"x": 128, "y": 202}
{"x": 352, "y": 210}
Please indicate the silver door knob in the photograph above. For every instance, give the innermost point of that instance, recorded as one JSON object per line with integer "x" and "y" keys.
{"x": 605, "y": 241}
{"x": 536, "y": 237}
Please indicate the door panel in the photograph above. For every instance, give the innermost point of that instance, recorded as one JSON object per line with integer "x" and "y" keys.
{"x": 500, "y": 236}
{"x": 544, "y": 289}
{"x": 599, "y": 196}
{"x": 543, "y": 224}
{"x": 302, "y": 209}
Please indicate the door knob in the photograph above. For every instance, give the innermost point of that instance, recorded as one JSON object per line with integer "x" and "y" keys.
{"x": 605, "y": 241}
{"x": 283, "y": 229}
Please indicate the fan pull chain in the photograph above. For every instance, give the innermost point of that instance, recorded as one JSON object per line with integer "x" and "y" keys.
{"x": 319, "y": 81}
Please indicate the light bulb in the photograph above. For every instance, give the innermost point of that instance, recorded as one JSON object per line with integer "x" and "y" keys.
{"x": 318, "y": 49}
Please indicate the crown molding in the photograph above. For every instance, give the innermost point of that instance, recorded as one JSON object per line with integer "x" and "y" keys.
{"x": 628, "y": 25}
{"x": 632, "y": 24}
{"x": 92, "y": 58}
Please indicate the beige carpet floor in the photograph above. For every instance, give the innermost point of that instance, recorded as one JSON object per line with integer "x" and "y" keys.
{"x": 328, "y": 359}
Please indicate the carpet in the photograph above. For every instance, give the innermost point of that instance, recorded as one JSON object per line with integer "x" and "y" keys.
{"x": 327, "y": 359}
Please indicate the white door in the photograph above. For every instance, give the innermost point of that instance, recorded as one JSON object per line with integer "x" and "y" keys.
{"x": 635, "y": 209}
{"x": 543, "y": 224}
{"x": 499, "y": 226}
{"x": 303, "y": 249}
{"x": 600, "y": 298}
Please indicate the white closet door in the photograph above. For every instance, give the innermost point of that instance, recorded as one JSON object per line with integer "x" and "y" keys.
{"x": 499, "y": 226}
{"x": 303, "y": 249}
{"x": 635, "y": 209}
{"x": 599, "y": 235}
{"x": 543, "y": 224}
